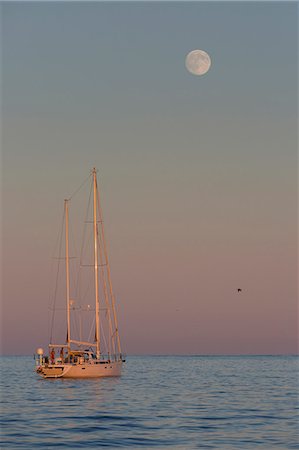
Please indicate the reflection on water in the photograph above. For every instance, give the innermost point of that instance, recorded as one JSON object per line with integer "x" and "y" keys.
{"x": 175, "y": 402}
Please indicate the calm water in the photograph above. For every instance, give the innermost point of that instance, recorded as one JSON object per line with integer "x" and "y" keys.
{"x": 162, "y": 402}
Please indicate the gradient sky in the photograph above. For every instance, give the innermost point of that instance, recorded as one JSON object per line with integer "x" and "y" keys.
{"x": 198, "y": 174}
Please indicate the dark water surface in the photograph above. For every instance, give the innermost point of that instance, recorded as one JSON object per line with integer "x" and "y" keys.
{"x": 170, "y": 402}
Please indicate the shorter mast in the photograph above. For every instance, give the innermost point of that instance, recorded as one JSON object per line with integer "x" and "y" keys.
{"x": 95, "y": 237}
{"x": 67, "y": 271}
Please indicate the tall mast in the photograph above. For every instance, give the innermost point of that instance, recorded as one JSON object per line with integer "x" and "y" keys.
{"x": 67, "y": 270}
{"x": 95, "y": 237}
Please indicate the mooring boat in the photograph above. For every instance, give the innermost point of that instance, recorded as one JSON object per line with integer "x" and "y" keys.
{"x": 82, "y": 358}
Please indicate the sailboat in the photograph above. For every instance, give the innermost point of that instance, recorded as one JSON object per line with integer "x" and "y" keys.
{"x": 79, "y": 357}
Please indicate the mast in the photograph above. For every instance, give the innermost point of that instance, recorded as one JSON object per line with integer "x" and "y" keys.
{"x": 95, "y": 237}
{"x": 67, "y": 271}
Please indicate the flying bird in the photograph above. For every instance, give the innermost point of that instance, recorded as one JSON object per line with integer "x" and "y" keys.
{"x": 239, "y": 290}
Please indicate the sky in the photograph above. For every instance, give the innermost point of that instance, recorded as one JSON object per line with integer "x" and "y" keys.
{"x": 198, "y": 174}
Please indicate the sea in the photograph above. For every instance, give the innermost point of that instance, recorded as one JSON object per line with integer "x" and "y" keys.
{"x": 161, "y": 402}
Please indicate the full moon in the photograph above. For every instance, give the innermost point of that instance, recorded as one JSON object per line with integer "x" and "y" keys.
{"x": 198, "y": 62}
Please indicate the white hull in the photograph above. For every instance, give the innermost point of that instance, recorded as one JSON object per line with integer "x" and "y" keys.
{"x": 85, "y": 370}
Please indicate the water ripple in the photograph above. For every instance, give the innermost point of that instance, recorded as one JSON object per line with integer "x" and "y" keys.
{"x": 170, "y": 402}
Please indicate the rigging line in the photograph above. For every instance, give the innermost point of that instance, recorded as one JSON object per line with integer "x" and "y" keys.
{"x": 84, "y": 295}
{"x": 103, "y": 276}
{"x": 56, "y": 246}
{"x": 80, "y": 187}
{"x": 105, "y": 294}
{"x": 73, "y": 283}
{"x": 91, "y": 329}
{"x": 103, "y": 262}
{"x": 82, "y": 282}
{"x": 56, "y": 281}
{"x": 50, "y": 294}
{"x": 112, "y": 299}
{"x": 83, "y": 243}
{"x": 105, "y": 342}
{"x": 75, "y": 320}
